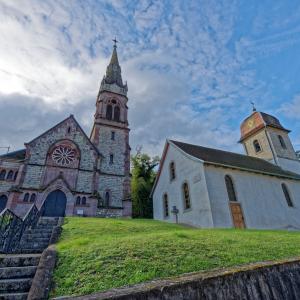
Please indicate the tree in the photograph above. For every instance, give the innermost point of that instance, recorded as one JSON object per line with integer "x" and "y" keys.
{"x": 143, "y": 177}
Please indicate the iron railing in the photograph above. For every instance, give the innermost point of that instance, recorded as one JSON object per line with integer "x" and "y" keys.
{"x": 12, "y": 228}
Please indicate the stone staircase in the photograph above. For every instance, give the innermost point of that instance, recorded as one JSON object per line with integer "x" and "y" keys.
{"x": 17, "y": 270}
{"x": 16, "y": 274}
{"x": 37, "y": 239}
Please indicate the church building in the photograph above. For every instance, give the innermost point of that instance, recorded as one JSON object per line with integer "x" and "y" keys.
{"x": 65, "y": 172}
{"x": 208, "y": 188}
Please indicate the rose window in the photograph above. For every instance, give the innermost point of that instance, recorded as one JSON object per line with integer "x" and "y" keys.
{"x": 63, "y": 155}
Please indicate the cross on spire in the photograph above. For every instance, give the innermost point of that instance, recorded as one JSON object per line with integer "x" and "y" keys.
{"x": 115, "y": 42}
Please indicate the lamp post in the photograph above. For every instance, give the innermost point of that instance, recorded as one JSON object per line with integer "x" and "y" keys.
{"x": 175, "y": 211}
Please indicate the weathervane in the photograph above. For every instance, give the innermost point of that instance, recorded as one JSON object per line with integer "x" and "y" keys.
{"x": 253, "y": 106}
{"x": 115, "y": 41}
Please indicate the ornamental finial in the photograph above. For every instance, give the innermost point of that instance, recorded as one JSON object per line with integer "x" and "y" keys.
{"x": 253, "y": 106}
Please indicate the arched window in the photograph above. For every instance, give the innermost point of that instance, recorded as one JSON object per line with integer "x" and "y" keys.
{"x": 26, "y": 197}
{"x": 287, "y": 195}
{"x": 172, "y": 170}
{"x": 3, "y": 202}
{"x": 117, "y": 113}
{"x": 107, "y": 198}
{"x": 186, "y": 196}
{"x": 10, "y": 175}
{"x": 113, "y": 135}
{"x": 32, "y": 198}
{"x": 166, "y": 206}
{"x": 109, "y": 112}
{"x": 16, "y": 175}
{"x": 256, "y": 146}
{"x": 83, "y": 201}
{"x": 230, "y": 189}
{"x": 111, "y": 159}
{"x": 281, "y": 141}
{"x": 2, "y": 175}
{"x": 78, "y": 200}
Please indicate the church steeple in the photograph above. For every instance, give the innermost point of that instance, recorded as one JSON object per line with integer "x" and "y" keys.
{"x": 112, "y": 80}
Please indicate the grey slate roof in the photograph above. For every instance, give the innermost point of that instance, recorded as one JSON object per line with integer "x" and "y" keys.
{"x": 272, "y": 121}
{"x": 234, "y": 160}
{"x": 16, "y": 155}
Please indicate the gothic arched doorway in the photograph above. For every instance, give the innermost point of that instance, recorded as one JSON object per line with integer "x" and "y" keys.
{"x": 55, "y": 204}
{"x": 3, "y": 202}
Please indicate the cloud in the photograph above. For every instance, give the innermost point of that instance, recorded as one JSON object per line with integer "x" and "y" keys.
{"x": 188, "y": 72}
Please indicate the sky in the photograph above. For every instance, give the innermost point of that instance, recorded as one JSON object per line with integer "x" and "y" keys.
{"x": 192, "y": 67}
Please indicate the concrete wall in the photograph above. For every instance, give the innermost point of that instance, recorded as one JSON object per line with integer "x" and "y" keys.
{"x": 261, "y": 197}
{"x": 260, "y": 281}
{"x": 187, "y": 170}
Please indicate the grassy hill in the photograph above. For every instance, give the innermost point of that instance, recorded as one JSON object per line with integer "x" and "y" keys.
{"x": 98, "y": 254}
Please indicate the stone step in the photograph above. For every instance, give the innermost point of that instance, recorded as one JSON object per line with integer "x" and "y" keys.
{"x": 32, "y": 251}
{"x": 38, "y": 231}
{"x": 15, "y": 285}
{"x": 48, "y": 221}
{"x": 17, "y": 272}
{"x": 19, "y": 260}
{"x": 31, "y": 236}
{"x": 14, "y": 296}
{"x": 26, "y": 239}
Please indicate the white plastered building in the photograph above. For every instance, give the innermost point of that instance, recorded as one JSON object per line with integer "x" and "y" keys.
{"x": 208, "y": 188}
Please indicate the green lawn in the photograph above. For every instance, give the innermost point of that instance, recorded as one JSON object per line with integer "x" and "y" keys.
{"x": 99, "y": 254}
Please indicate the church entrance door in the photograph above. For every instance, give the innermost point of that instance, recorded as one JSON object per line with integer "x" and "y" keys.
{"x": 55, "y": 204}
{"x": 3, "y": 202}
{"x": 237, "y": 215}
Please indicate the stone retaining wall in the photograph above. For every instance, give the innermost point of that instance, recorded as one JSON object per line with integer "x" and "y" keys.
{"x": 259, "y": 281}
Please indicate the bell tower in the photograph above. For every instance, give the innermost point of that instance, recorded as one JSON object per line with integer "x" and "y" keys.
{"x": 110, "y": 134}
{"x": 263, "y": 136}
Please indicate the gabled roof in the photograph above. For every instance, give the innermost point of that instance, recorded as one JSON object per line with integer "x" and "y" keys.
{"x": 234, "y": 160}
{"x": 211, "y": 156}
{"x": 77, "y": 124}
{"x": 15, "y": 155}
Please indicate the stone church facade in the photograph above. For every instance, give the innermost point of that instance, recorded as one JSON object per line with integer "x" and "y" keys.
{"x": 207, "y": 187}
{"x": 65, "y": 172}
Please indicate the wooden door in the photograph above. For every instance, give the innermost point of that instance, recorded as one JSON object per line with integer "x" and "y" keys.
{"x": 237, "y": 215}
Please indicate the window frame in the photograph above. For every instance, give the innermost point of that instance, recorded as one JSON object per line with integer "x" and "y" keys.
{"x": 166, "y": 205}
{"x": 10, "y": 175}
{"x": 281, "y": 141}
{"x": 111, "y": 159}
{"x": 256, "y": 145}
{"x": 287, "y": 195}
{"x": 232, "y": 191}
{"x": 109, "y": 112}
{"x": 172, "y": 170}
{"x": 32, "y": 198}
{"x": 185, "y": 207}
{"x": 3, "y": 174}
{"x": 78, "y": 201}
{"x": 26, "y": 197}
{"x": 107, "y": 198}
{"x": 113, "y": 135}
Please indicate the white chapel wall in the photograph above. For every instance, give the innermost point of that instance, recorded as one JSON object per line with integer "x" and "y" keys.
{"x": 261, "y": 197}
{"x": 191, "y": 171}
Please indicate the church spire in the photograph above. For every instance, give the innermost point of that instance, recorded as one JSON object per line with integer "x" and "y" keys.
{"x": 112, "y": 80}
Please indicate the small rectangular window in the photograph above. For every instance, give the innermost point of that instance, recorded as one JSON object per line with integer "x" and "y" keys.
{"x": 111, "y": 159}
{"x": 113, "y": 135}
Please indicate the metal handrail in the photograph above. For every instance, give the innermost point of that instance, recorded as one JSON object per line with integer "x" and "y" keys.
{"x": 12, "y": 227}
